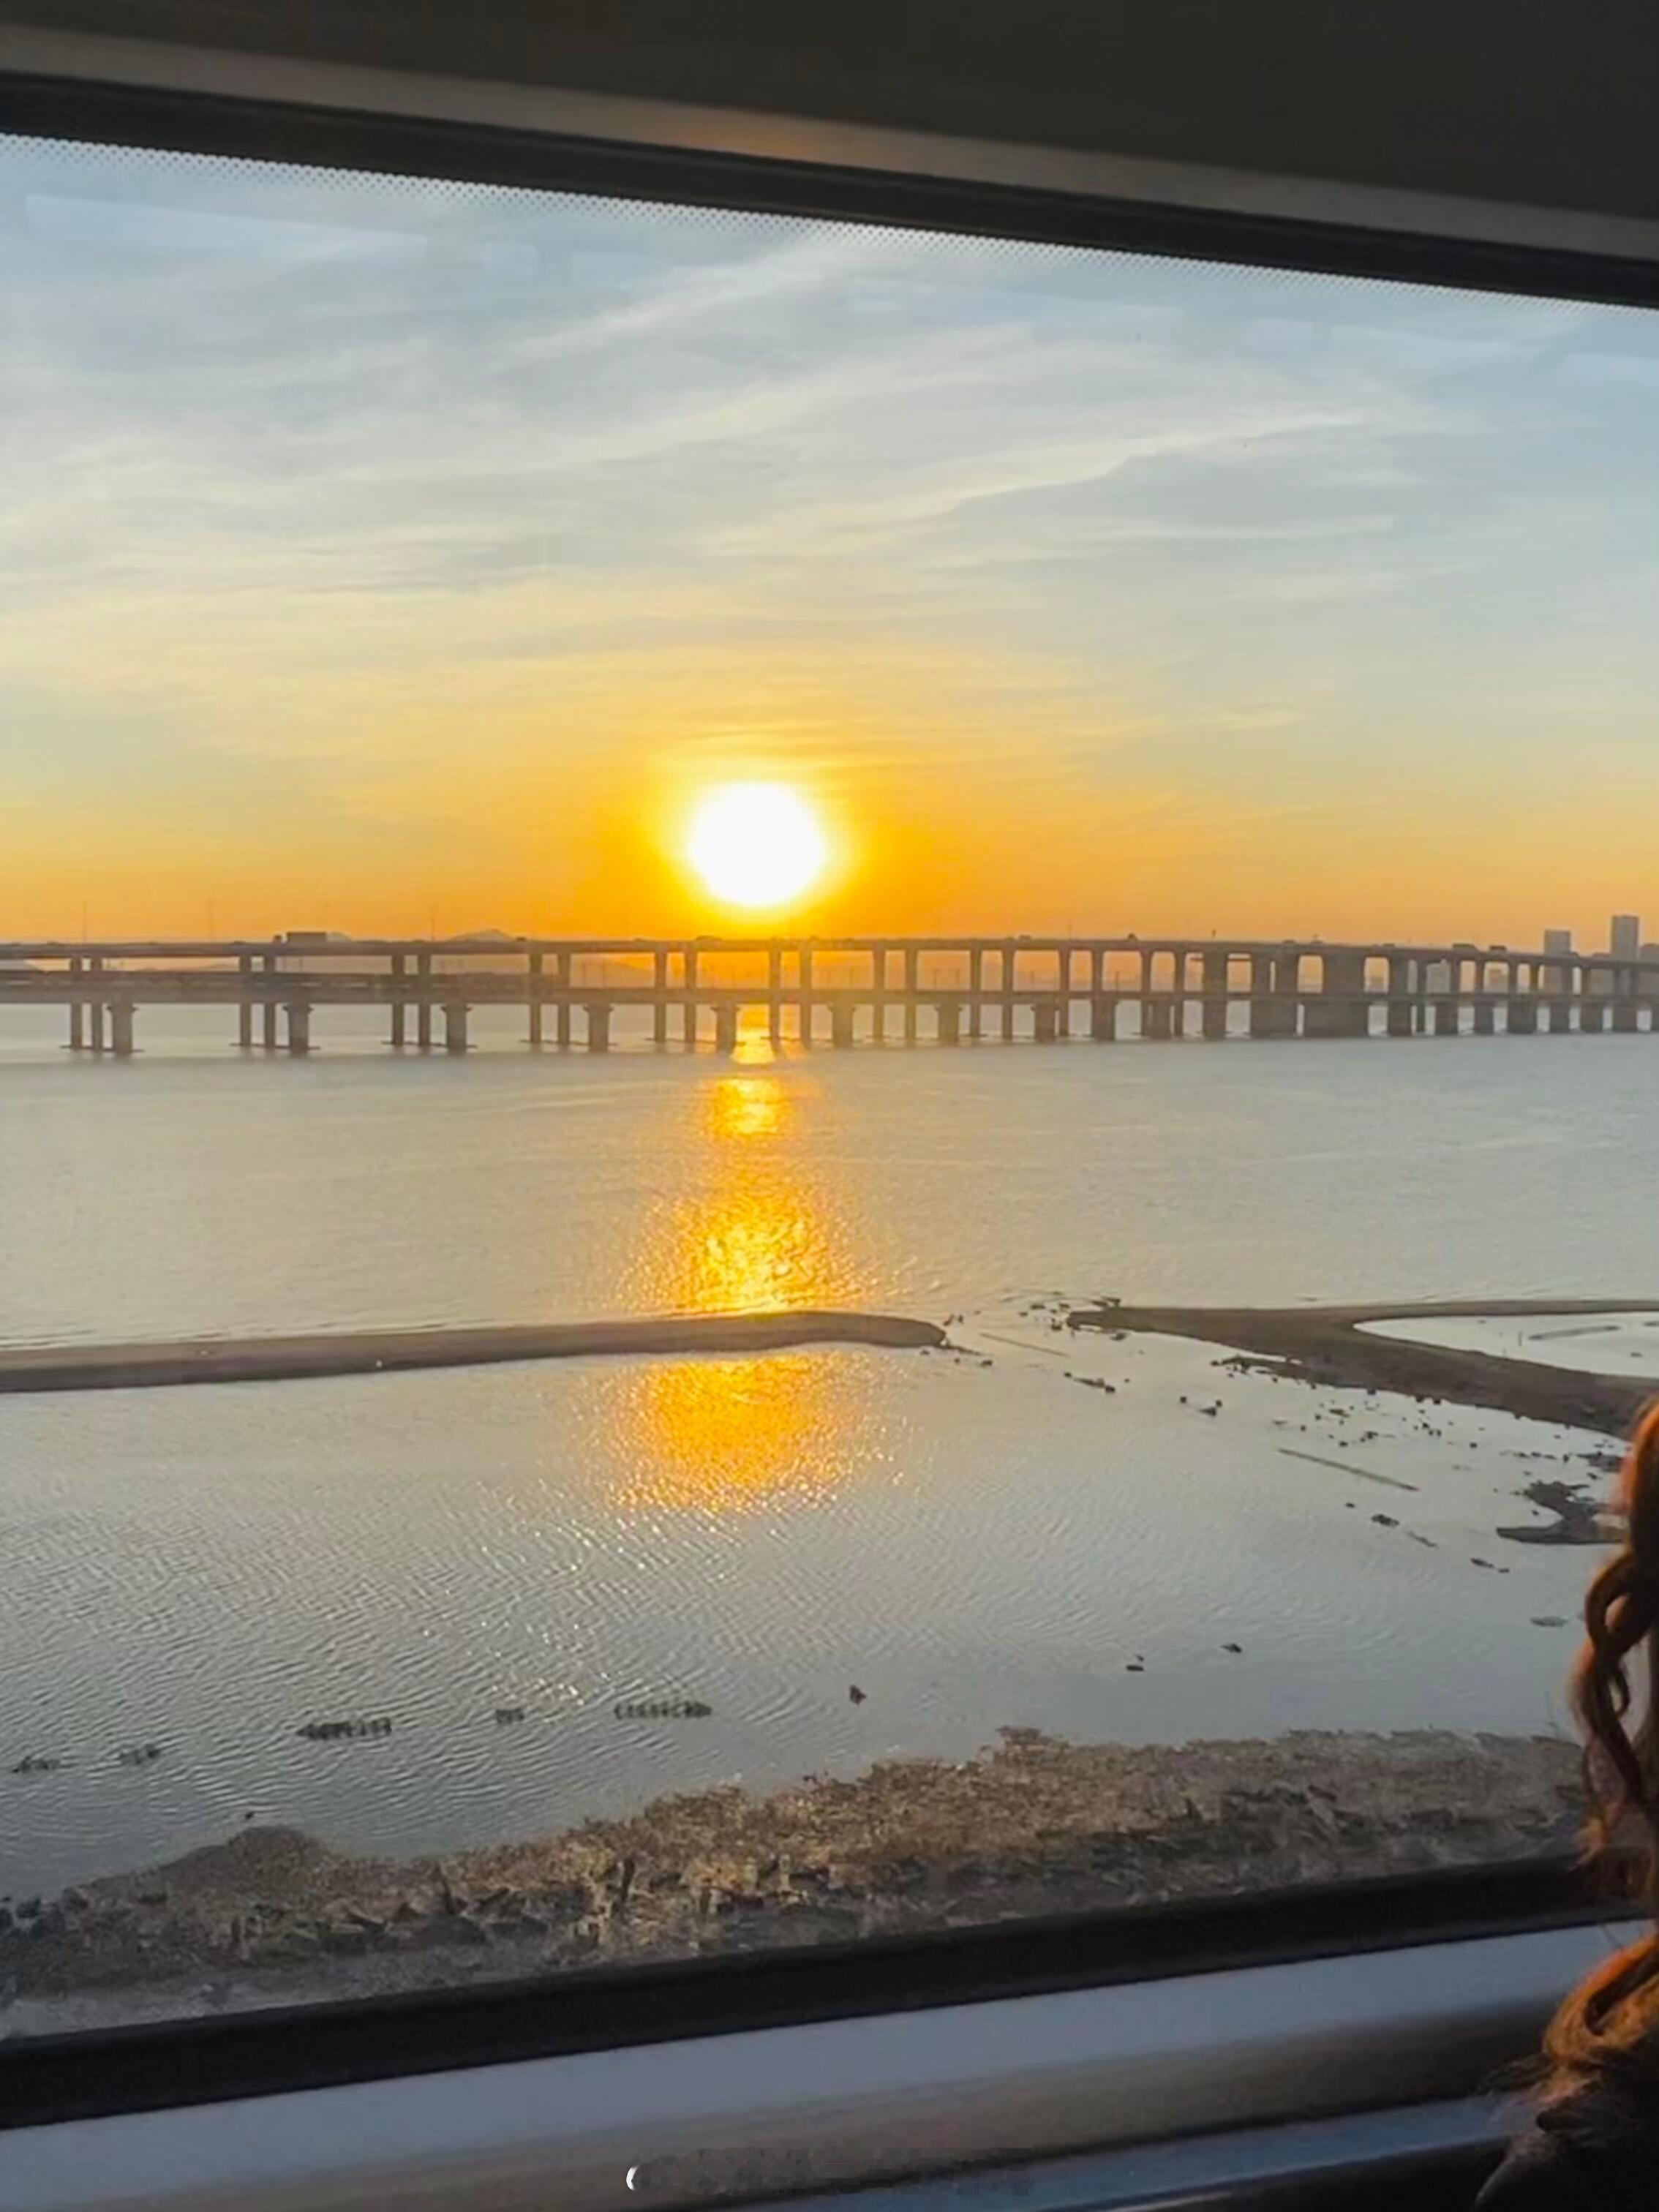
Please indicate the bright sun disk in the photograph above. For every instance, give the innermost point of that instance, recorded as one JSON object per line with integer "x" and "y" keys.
{"x": 757, "y": 844}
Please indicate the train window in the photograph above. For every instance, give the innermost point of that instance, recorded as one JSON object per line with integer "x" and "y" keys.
{"x": 818, "y": 1123}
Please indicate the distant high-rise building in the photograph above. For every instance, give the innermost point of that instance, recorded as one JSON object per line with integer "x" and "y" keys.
{"x": 1625, "y": 940}
{"x": 1557, "y": 940}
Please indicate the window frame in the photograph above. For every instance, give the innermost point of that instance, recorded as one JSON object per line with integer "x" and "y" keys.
{"x": 195, "y": 2061}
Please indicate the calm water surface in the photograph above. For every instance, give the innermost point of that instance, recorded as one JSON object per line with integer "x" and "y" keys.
{"x": 972, "y": 1539}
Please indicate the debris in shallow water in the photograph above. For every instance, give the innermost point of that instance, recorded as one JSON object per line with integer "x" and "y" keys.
{"x": 139, "y": 1754}
{"x": 32, "y": 1763}
{"x": 332, "y": 1731}
{"x": 855, "y": 1694}
{"x": 1488, "y": 1564}
{"x": 663, "y": 1709}
{"x": 507, "y": 1716}
{"x": 1549, "y": 1620}
{"x": 1385, "y": 1520}
{"x": 1232, "y": 1647}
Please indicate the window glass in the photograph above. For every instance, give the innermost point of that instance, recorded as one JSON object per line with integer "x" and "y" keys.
{"x": 760, "y": 982}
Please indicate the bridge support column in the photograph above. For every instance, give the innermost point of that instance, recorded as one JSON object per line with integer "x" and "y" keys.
{"x": 299, "y": 1027}
{"x": 1444, "y": 1017}
{"x": 1521, "y": 1016}
{"x": 840, "y": 1023}
{"x": 1339, "y": 1008}
{"x": 77, "y": 1041}
{"x": 1215, "y": 995}
{"x": 975, "y": 990}
{"x": 599, "y": 1025}
{"x": 423, "y": 1009}
{"x": 774, "y": 994}
{"x": 1485, "y": 1017}
{"x": 120, "y": 1028}
{"x": 533, "y": 991}
{"x": 1624, "y": 1017}
{"x": 535, "y": 1026}
{"x": 1009, "y": 963}
{"x": 1274, "y": 988}
{"x": 949, "y": 1018}
{"x": 268, "y": 1026}
{"x": 454, "y": 1026}
{"x": 1158, "y": 1018}
{"x": 726, "y": 1028}
{"x": 912, "y": 978}
{"x": 244, "y": 1006}
{"x": 1063, "y": 1000}
{"x": 1592, "y": 1017}
{"x": 1045, "y": 1020}
{"x": 96, "y": 1024}
{"x": 399, "y": 1011}
{"x": 803, "y": 959}
{"x": 1102, "y": 1017}
{"x": 562, "y": 1012}
{"x": 689, "y": 1010}
{"x": 659, "y": 1004}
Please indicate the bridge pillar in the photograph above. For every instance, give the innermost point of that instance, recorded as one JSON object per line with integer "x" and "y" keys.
{"x": 562, "y": 1012}
{"x": 912, "y": 979}
{"x": 399, "y": 1011}
{"x": 1339, "y": 1008}
{"x": 299, "y": 1027}
{"x": 1397, "y": 1022}
{"x": 1009, "y": 964}
{"x": 1624, "y": 1017}
{"x": 1215, "y": 993}
{"x": 533, "y": 997}
{"x": 660, "y": 1003}
{"x": 424, "y": 1004}
{"x": 1102, "y": 1017}
{"x": 774, "y": 994}
{"x": 77, "y": 1026}
{"x": 1158, "y": 1018}
{"x": 726, "y": 1028}
{"x": 1273, "y": 985}
{"x": 96, "y": 1024}
{"x": 535, "y": 1026}
{"x": 805, "y": 960}
{"x": 840, "y": 1023}
{"x": 948, "y": 1019}
{"x": 1045, "y": 1020}
{"x": 599, "y": 1025}
{"x": 975, "y": 989}
{"x": 1486, "y": 1023}
{"x": 1592, "y": 1016}
{"x": 454, "y": 1026}
{"x": 1521, "y": 1016}
{"x": 1063, "y": 1001}
{"x": 689, "y": 1010}
{"x": 1443, "y": 1013}
{"x": 120, "y": 1028}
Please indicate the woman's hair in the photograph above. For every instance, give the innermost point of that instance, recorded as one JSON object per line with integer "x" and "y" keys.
{"x": 1610, "y": 2024}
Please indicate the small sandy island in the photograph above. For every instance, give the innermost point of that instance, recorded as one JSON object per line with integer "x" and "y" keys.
{"x": 1036, "y": 1824}
{"x": 1329, "y": 1344}
{"x": 165, "y": 1365}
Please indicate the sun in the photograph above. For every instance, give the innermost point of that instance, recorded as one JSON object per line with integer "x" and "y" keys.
{"x": 757, "y": 844}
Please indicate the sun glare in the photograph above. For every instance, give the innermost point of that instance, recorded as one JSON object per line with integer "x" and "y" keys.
{"x": 757, "y": 844}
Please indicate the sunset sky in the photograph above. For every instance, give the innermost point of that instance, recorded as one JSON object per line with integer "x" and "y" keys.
{"x": 378, "y": 555}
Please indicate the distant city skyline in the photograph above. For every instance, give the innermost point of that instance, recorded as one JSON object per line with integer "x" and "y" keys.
{"x": 386, "y": 559}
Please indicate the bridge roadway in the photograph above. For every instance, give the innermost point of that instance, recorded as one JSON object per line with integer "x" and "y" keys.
{"x": 966, "y": 986}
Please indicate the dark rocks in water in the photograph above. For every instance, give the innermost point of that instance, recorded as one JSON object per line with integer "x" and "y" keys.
{"x": 1385, "y": 1520}
{"x": 663, "y": 1709}
{"x": 138, "y": 1754}
{"x": 1488, "y": 1564}
{"x": 1577, "y": 1518}
{"x": 1093, "y": 1383}
{"x": 1135, "y": 1667}
{"x": 1232, "y": 1647}
{"x": 32, "y": 1763}
{"x": 1549, "y": 1620}
{"x": 508, "y": 1715}
{"x": 334, "y": 1731}
{"x": 855, "y": 1696}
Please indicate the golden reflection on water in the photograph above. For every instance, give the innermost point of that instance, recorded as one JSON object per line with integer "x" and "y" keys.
{"x": 726, "y": 1435}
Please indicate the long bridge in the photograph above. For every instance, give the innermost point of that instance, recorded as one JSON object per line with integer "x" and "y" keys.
{"x": 940, "y": 989}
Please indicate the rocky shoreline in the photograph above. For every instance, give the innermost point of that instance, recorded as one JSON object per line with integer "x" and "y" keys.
{"x": 1329, "y": 1344}
{"x": 1034, "y": 1826}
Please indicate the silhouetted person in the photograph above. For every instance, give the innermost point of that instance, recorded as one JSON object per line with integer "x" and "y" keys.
{"x": 1594, "y": 2141}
